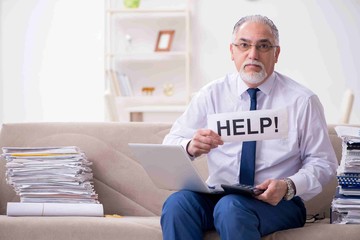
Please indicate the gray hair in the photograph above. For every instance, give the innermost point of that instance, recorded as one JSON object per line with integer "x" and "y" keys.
{"x": 261, "y": 19}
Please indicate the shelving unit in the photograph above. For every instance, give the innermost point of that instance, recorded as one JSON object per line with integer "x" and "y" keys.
{"x": 131, "y": 38}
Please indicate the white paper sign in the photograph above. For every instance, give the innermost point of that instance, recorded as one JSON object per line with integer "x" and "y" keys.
{"x": 250, "y": 125}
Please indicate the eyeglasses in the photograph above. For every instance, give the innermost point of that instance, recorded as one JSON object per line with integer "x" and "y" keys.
{"x": 262, "y": 47}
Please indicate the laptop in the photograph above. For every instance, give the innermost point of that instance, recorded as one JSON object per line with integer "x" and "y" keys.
{"x": 169, "y": 167}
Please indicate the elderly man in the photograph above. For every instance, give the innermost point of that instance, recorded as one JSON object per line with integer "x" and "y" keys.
{"x": 288, "y": 170}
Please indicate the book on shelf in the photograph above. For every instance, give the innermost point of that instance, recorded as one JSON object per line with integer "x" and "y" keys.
{"x": 125, "y": 85}
{"x": 119, "y": 83}
{"x": 113, "y": 82}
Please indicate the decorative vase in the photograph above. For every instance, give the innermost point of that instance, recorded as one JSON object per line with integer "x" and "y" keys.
{"x": 131, "y": 3}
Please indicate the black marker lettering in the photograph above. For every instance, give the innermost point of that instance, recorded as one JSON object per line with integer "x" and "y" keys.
{"x": 264, "y": 122}
{"x": 249, "y": 127}
{"x": 227, "y": 127}
{"x": 235, "y": 126}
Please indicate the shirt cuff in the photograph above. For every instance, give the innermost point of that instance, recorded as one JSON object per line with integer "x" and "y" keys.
{"x": 184, "y": 144}
{"x": 298, "y": 181}
{"x": 305, "y": 187}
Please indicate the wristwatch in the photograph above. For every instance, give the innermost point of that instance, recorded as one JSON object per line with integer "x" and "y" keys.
{"x": 290, "y": 193}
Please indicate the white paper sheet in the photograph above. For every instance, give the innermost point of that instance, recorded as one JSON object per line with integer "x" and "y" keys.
{"x": 250, "y": 125}
{"x": 346, "y": 131}
{"x": 54, "y": 209}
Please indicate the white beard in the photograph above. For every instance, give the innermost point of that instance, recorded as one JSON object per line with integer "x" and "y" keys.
{"x": 255, "y": 77}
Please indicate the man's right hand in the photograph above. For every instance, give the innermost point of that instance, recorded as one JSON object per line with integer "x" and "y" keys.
{"x": 203, "y": 141}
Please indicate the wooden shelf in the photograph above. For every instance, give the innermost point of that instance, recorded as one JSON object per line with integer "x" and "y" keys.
{"x": 167, "y": 113}
{"x": 154, "y": 56}
{"x": 157, "y": 108}
{"x": 150, "y": 100}
{"x": 146, "y": 11}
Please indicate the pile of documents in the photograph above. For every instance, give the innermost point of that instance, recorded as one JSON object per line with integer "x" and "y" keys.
{"x": 346, "y": 203}
{"x": 52, "y": 180}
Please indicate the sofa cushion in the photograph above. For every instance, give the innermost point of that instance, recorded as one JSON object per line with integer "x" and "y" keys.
{"x": 318, "y": 230}
{"x": 80, "y": 228}
{"x": 134, "y": 228}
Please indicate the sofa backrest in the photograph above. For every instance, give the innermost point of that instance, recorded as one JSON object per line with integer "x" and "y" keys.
{"x": 123, "y": 186}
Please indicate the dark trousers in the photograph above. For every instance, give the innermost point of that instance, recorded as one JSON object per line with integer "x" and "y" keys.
{"x": 186, "y": 215}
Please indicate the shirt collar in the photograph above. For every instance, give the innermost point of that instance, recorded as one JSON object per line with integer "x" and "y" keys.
{"x": 265, "y": 87}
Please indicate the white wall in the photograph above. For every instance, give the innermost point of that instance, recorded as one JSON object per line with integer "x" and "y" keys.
{"x": 51, "y": 66}
{"x": 319, "y": 44}
{"x": 52, "y": 60}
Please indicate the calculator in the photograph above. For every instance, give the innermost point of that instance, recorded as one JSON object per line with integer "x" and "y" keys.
{"x": 241, "y": 189}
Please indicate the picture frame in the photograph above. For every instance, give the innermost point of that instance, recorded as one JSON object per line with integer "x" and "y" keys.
{"x": 164, "y": 40}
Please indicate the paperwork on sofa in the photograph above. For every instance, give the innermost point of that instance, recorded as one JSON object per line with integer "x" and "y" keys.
{"x": 170, "y": 168}
{"x": 51, "y": 181}
{"x": 345, "y": 207}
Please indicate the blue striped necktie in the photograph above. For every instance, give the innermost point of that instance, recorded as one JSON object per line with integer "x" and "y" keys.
{"x": 247, "y": 166}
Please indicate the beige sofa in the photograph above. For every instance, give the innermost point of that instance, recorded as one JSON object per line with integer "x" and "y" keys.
{"x": 124, "y": 188}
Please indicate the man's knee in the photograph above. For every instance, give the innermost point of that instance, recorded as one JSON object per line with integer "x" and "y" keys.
{"x": 231, "y": 208}
{"x": 230, "y": 203}
{"x": 177, "y": 202}
{"x": 233, "y": 217}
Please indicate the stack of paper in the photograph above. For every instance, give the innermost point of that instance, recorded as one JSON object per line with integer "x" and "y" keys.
{"x": 345, "y": 209}
{"x": 346, "y": 203}
{"x": 51, "y": 178}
